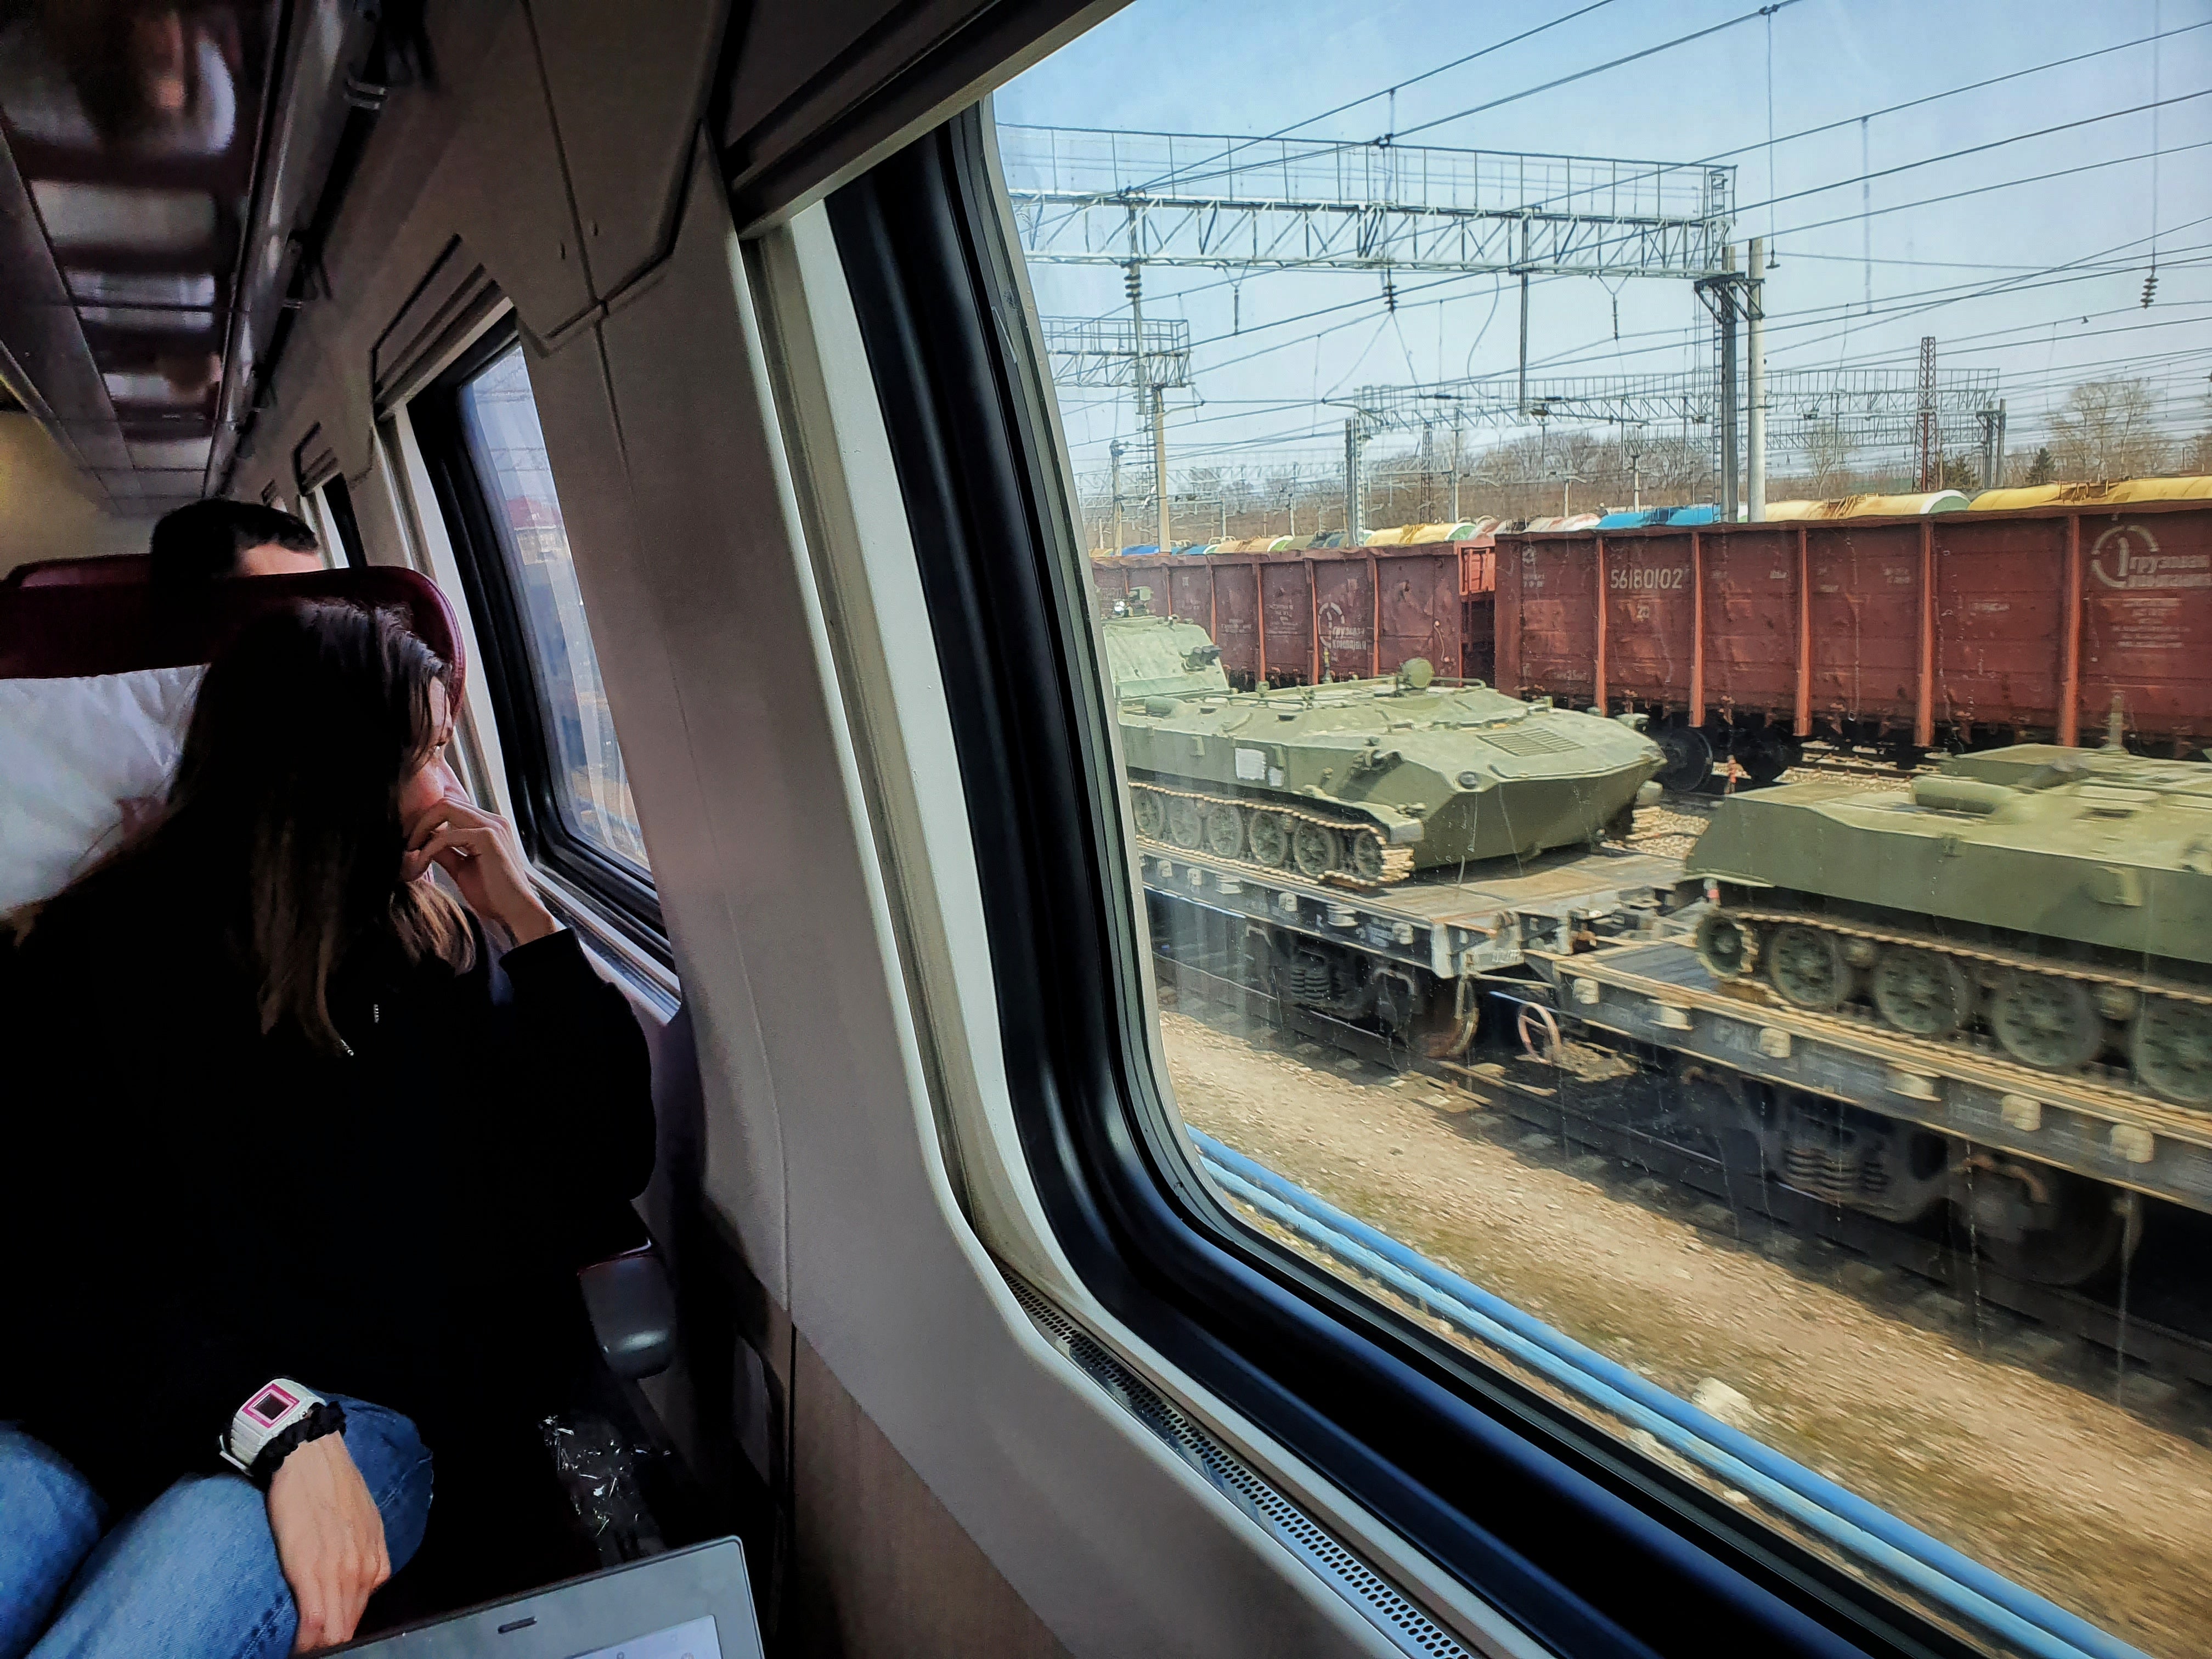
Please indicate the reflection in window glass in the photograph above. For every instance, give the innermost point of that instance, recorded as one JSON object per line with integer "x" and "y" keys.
{"x": 508, "y": 447}
{"x": 1745, "y": 979}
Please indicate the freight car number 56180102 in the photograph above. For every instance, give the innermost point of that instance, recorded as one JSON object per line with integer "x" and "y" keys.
{"x": 1635, "y": 579}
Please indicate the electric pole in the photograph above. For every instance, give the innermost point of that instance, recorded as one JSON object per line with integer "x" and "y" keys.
{"x": 1731, "y": 497}
{"x": 1146, "y": 392}
{"x": 1355, "y": 441}
{"x": 1524, "y": 339}
{"x": 1754, "y": 305}
{"x": 1113, "y": 449}
{"x": 1160, "y": 460}
{"x": 1932, "y": 442}
{"x": 1993, "y": 443}
{"x": 1719, "y": 295}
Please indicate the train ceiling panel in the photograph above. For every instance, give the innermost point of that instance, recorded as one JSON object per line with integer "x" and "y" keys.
{"x": 164, "y": 164}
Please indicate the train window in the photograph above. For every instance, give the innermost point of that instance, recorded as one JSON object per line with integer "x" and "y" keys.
{"x": 1597, "y": 868}
{"x": 344, "y": 528}
{"x": 509, "y": 450}
{"x": 485, "y": 449}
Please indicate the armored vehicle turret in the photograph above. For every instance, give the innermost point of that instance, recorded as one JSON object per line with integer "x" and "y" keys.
{"x": 2054, "y": 901}
{"x": 1357, "y": 782}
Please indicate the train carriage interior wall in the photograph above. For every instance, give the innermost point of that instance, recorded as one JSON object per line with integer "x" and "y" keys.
{"x": 1396, "y": 884}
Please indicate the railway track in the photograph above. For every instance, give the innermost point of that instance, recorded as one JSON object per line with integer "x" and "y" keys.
{"x": 2152, "y": 1322}
{"x": 2142, "y": 1340}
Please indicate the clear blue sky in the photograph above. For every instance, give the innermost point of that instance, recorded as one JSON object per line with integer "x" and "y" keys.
{"x": 1246, "y": 68}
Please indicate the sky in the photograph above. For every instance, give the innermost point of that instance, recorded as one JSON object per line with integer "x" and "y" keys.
{"x": 1979, "y": 271}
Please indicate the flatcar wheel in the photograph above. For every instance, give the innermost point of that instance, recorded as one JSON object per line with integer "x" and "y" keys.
{"x": 2173, "y": 1050}
{"x": 1923, "y": 992}
{"x": 1807, "y": 966}
{"x": 2045, "y": 1021}
{"x": 2079, "y": 1237}
{"x": 1318, "y": 849}
{"x": 1224, "y": 831}
{"x": 1186, "y": 822}
{"x": 1689, "y": 759}
{"x": 1366, "y": 857}
{"x": 1145, "y": 808}
{"x": 1271, "y": 839}
{"x": 1765, "y": 756}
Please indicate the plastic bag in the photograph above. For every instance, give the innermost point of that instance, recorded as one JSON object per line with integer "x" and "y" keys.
{"x": 598, "y": 1468}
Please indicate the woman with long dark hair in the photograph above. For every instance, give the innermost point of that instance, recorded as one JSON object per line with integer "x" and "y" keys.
{"x": 283, "y": 1140}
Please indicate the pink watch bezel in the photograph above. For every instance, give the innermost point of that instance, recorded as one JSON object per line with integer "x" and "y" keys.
{"x": 249, "y": 1412}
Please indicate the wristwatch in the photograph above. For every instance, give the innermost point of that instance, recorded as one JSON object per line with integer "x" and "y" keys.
{"x": 278, "y": 1417}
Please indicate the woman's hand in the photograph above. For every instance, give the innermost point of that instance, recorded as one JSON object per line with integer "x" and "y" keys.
{"x": 479, "y": 851}
{"x": 329, "y": 1539}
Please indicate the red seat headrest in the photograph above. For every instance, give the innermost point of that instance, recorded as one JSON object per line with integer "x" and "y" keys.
{"x": 61, "y": 631}
{"x": 102, "y": 572}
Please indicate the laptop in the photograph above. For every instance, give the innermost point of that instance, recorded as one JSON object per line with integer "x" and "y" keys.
{"x": 692, "y": 1604}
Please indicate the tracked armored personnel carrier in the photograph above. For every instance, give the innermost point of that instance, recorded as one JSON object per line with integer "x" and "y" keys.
{"x": 1358, "y": 782}
{"x": 2056, "y": 902}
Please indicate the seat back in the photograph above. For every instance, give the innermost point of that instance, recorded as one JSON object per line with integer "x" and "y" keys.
{"x": 55, "y": 631}
{"x": 103, "y": 571}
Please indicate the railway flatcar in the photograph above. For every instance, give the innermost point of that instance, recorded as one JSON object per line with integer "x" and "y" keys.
{"x": 591, "y": 1033}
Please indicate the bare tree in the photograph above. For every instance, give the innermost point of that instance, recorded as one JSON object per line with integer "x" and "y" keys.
{"x": 2107, "y": 430}
{"x": 1829, "y": 449}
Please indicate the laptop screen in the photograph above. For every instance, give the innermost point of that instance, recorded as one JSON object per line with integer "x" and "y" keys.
{"x": 692, "y": 1640}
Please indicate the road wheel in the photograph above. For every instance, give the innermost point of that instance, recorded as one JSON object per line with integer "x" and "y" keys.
{"x": 1922, "y": 992}
{"x": 1186, "y": 822}
{"x": 1318, "y": 849}
{"x": 1145, "y": 808}
{"x": 1807, "y": 966}
{"x": 2173, "y": 1050}
{"x": 1724, "y": 944}
{"x": 1271, "y": 839}
{"x": 1224, "y": 831}
{"x": 1366, "y": 852}
{"x": 1689, "y": 759}
{"x": 2045, "y": 1021}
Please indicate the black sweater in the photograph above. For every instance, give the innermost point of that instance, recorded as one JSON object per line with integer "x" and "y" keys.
{"x": 191, "y": 1207}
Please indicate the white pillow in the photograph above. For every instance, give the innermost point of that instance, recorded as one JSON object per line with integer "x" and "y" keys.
{"x": 71, "y": 751}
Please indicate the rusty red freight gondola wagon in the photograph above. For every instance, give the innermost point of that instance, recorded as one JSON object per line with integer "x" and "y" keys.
{"x": 1301, "y": 617}
{"x": 1967, "y": 629}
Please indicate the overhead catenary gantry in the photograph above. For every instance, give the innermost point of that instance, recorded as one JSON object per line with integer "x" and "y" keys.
{"x": 1104, "y": 351}
{"x": 1093, "y": 352}
{"x": 1090, "y": 197}
{"x": 1086, "y": 197}
{"x": 1807, "y": 409}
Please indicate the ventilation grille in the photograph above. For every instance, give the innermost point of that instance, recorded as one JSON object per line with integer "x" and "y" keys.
{"x": 1414, "y": 1632}
{"x": 1530, "y": 740}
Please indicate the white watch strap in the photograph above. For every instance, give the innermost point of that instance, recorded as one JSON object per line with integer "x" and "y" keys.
{"x": 267, "y": 1412}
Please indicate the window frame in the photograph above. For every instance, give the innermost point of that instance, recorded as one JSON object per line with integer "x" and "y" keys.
{"x": 1589, "y": 1545}
{"x": 620, "y": 895}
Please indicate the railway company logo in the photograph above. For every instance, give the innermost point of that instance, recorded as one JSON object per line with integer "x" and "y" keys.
{"x": 2127, "y": 557}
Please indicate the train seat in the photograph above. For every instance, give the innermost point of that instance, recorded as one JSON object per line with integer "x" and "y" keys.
{"x": 107, "y": 570}
{"x": 54, "y": 631}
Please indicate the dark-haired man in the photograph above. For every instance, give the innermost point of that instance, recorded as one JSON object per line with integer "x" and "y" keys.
{"x": 202, "y": 540}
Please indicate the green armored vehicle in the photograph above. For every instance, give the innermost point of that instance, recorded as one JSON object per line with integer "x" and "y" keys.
{"x": 2058, "y": 899}
{"x": 1360, "y": 781}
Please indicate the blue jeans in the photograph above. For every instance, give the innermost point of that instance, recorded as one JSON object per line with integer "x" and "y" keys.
{"x": 191, "y": 1576}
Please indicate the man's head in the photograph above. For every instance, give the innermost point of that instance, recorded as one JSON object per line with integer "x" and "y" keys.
{"x": 205, "y": 539}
